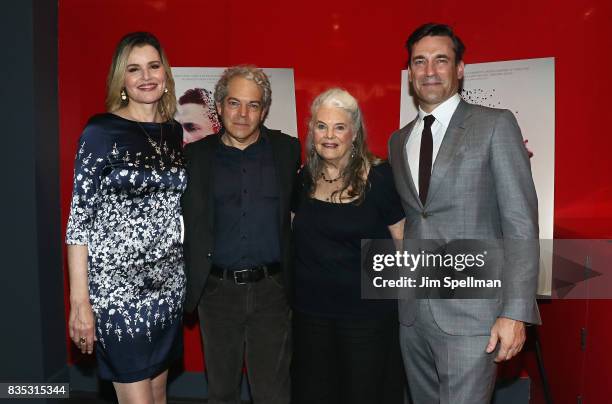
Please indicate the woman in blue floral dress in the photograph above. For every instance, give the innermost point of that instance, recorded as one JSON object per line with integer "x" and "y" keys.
{"x": 125, "y": 261}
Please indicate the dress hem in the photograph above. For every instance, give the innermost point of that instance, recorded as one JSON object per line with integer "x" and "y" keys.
{"x": 139, "y": 375}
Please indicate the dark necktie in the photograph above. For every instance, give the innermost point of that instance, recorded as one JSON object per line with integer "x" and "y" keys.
{"x": 425, "y": 158}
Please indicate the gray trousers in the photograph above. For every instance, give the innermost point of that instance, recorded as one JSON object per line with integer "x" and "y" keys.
{"x": 443, "y": 368}
{"x": 249, "y": 322}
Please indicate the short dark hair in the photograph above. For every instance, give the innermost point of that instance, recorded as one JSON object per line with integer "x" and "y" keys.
{"x": 203, "y": 97}
{"x": 197, "y": 96}
{"x": 433, "y": 29}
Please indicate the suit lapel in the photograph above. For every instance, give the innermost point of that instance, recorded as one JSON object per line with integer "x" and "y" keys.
{"x": 281, "y": 165}
{"x": 405, "y": 134}
{"x": 208, "y": 177}
{"x": 453, "y": 139}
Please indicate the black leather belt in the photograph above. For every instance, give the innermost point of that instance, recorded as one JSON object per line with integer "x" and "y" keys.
{"x": 244, "y": 276}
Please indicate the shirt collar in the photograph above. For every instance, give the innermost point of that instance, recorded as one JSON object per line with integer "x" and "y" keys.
{"x": 262, "y": 139}
{"x": 443, "y": 112}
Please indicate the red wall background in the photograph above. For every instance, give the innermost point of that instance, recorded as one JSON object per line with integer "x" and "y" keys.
{"x": 359, "y": 46}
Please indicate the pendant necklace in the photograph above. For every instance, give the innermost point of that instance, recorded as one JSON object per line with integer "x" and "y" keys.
{"x": 160, "y": 148}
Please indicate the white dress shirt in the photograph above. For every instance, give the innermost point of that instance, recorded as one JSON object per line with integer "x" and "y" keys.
{"x": 443, "y": 114}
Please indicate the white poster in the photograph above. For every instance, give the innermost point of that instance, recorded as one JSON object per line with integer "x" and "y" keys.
{"x": 527, "y": 88}
{"x": 195, "y": 87}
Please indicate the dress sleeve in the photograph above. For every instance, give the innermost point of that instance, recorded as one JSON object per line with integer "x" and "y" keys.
{"x": 387, "y": 199}
{"x": 91, "y": 158}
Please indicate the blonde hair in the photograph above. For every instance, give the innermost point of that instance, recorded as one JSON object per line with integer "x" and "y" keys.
{"x": 166, "y": 106}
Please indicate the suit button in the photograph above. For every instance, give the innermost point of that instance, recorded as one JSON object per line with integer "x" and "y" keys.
{"x": 425, "y": 215}
{"x": 209, "y": 255}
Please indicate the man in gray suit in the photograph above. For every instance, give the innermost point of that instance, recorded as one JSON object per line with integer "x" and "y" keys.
{"x": 462, "y": 172}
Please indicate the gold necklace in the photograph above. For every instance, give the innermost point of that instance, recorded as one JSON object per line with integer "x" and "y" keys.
{"x": 160, "y": 148}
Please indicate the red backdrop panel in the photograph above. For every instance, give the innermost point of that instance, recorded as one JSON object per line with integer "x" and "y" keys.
{"x": 359, "y": 46}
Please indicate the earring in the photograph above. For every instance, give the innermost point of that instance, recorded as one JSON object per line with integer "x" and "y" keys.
{"x": 123, "y": 95}
{"x": 165, "y": 91}
{"x": 353, "y": 150}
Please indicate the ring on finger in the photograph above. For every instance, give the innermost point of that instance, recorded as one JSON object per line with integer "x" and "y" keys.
{"x": 82, "y": 340}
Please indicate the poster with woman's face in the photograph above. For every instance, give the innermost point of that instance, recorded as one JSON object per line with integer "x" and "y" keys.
{"x": 196, "y": 111}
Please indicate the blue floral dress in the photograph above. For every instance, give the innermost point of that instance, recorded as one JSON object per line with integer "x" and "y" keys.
{"x": 128, "y": 180}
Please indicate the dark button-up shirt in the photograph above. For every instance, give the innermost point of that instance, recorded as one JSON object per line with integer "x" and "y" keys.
{"x": 246, "y": 197}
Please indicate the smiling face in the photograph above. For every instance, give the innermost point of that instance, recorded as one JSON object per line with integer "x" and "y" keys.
{"x": 433, "y": 72}
{"x": 242, "y": 112}
{"x": 333, "y": 135}
{"x": 145, "y": 76}
{"x": 195, "y": 122}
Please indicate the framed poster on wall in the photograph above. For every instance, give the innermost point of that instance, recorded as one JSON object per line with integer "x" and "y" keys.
{"x": 195, "y": 88}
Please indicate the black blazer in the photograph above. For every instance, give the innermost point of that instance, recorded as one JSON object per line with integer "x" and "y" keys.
{"x": 198, "y": 204}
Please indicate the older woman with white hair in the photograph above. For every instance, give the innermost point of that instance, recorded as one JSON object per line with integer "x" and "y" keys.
{"x": 346, "y": 348}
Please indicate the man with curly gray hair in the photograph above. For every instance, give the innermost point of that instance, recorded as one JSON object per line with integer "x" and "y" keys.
{"x": 247, "y": 72}
{"x": 237, "y": 241}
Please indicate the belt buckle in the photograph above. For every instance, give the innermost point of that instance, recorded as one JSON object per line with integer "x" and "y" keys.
{"x": 236, "y": 278}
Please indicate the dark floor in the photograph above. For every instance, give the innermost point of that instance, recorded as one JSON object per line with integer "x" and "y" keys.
{"x": 89, "y": 398}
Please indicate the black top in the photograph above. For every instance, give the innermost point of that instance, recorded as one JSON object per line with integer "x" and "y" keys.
{"x": 246, "y": 198}
{"x": 328, "y": 248}
{"x": 198, "y": 205}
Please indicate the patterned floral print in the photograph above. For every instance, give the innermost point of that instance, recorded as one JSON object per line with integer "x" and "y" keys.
{"x": 126, "y": 209}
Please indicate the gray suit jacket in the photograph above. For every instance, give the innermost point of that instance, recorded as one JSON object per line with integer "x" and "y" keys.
{"x": 481, "y": 188}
